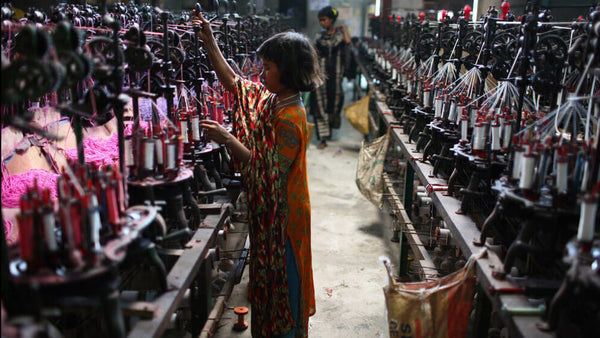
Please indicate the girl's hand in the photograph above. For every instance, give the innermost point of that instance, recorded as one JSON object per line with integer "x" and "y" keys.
{"x": 205, "y": 32}
{"x": 215, "y": 132}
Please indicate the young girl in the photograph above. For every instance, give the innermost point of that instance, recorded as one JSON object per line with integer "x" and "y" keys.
{"x": 270, "y": 141}
{"x": 327, "y": 100}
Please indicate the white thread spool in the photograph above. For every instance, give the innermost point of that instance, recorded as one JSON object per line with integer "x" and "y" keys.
{"x": 171, "y": 155}
{"x": 394, "y": 74}
{"x": 496, "y": 136}
{"x": 128, "y": 143}
{"x": 183, "y": 127}
{"x": 195, "y": 128}
{"x": 95, "y": 223}
{"x": 148, "y": 154}
{"x": 158, "y": 145}
{"x": 507, "y": 133}
{"x": 586, "y": 175}
{"x": 587, "y": 217}
{"x": 473, "y": 116}
{"x": 49, "y": 234}
{"x": 527, "y": 170}
{"x": 562, "y": 167}
{"x": 425, "y": 201}
{"x": 214, "y": 253}
{"x": 421, "y": 194}
{"x": 427, "y": 98}
{"x": 442, "y": 235}
{"x": 478, "y": 136}
{"x": 464, "y": 128}
{"x": 421, "y": 188}
{"x": 439, "y": 104}
{"x": 452, "y": 115}
{"x": 516, "y": 172}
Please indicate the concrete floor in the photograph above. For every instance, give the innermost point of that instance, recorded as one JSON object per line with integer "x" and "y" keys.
{"x": 348, "y": 237}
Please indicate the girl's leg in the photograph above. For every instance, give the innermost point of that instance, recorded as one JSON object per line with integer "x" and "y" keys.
{"x": 294, "y": 288}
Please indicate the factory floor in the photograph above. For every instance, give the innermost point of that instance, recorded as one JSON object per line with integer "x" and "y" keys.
{"x": 348, "y": 237}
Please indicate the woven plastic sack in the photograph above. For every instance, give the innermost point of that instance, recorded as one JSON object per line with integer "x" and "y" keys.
{"x": 435, "y": 309}
{"x": 358, "y": 114}
{"x": 371, "y": 158}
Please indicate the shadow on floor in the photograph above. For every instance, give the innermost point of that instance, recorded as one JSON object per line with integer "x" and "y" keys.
{"x": 374, "y": 229}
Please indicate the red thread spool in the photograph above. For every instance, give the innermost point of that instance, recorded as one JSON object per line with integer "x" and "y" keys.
{"x": 241, "y": 324}
{"x": 25, "y": 221}
{"x": 467, "y": 9}
{"x": 505, "y": 8}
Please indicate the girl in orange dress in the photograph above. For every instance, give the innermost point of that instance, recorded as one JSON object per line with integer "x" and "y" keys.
{"x": 269, "y": 142}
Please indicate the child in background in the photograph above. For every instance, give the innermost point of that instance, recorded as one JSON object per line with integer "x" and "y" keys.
{"x": 327, "y": 100}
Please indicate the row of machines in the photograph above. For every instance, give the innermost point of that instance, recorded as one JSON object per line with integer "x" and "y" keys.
{"x": 117, "y": 230}
{"x": 506, "y": 110}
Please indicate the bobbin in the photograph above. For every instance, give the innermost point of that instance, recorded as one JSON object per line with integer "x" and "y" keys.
{"x": 241, "y": 324}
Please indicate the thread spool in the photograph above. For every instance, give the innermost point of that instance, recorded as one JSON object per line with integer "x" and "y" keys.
{"x": 427, "y": 97}
{"x": 516, "y": 172}
{"x": 527, "y": 171}
{"x": 148, "y": 154}
{"x": 452, "y": 115}
{"x": 25, "y": 221}
{"x": 507, "y": 132}
{"x": 95, "y": 222}
{"x": 587, "y": 218}
{"x": 496, "y": 130}
{"x": 171, "y": 157}
{"x": 129, "y": 151}
{"x": 195, "y": 120}
{"x": 240, "y": 324}
{"x": 442, "y": 235}
{"x": 183, "y": 128}
{"x": 425, "y": 201}
{"x": 214, "y": 253}
{"x": 419, "y": 195}
{"x": 49, "y": 222}
{"x": 464, "y": 128}
{"x": 223, "y": 234}
{"x": 562, "y": 168}
{"x": 478, "y": 136}
{"x": 158, "y": 146}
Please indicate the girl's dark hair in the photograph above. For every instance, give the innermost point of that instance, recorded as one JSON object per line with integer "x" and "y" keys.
{"x": 296, "y": 60}
{"x": 329, "y": 12}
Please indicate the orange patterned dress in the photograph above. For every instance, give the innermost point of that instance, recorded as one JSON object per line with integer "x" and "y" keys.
{"x": 279, "y": 208}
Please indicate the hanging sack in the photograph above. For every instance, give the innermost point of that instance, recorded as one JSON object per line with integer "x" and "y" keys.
{"x": 436, "y": 309}
{"x": 371, "y": 158}
{"x": 358, "y": 114}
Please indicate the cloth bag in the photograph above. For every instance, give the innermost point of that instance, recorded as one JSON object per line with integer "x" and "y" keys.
{"x": 358, "y": 114}
{"x": 438, "y": 309}
{"x": 371, "y": 158}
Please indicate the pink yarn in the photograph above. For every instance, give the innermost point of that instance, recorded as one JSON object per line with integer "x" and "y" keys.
{"x": 15, "y": 186}
{"x": 102, "y": 152}
{"x": 98, "y": 152}
{"x": 8, "y": 228}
